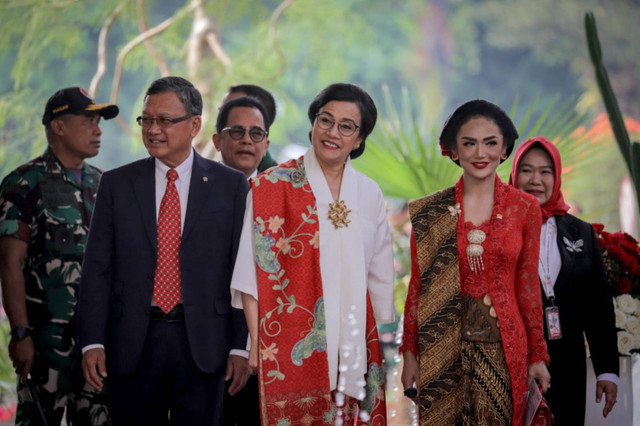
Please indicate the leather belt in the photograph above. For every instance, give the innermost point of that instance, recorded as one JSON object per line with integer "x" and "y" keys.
{"x": 174, "y": 315}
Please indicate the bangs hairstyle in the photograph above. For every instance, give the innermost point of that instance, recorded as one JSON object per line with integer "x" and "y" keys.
{"x": 347, "y": 92}
{"x": 478, "y": 108}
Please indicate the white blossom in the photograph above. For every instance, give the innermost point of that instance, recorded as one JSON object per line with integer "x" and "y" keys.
{"x": 626, "y": 342}
{"x": 633, "y": 324}
{"x": 621, "y": 318}
{"x": 626, "y": 303}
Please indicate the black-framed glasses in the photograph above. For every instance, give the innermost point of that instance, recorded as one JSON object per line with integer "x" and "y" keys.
{"x": 346, "y": 127}
{"x": 164, "y": 122}
{"x": 256, "y": 134}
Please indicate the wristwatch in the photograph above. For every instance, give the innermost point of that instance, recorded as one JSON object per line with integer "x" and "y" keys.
{"x": 19, "y": 333}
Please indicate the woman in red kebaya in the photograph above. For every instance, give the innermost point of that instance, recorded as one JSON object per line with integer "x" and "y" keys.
{"x": 473, "y": 334}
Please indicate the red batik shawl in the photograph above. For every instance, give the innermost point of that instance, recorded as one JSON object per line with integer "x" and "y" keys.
{"x": 293, "y": 365}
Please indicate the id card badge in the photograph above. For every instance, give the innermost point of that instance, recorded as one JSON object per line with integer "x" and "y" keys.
{"x": 552, "y": 315}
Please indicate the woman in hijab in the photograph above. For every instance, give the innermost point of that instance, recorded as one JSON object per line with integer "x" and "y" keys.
{"x": 575, "y": 294}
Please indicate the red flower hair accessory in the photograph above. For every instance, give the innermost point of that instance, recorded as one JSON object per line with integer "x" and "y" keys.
{"x": 445, "y": 152}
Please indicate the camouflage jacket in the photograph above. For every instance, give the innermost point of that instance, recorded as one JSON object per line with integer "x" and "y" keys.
{"x": 42, "y": 204}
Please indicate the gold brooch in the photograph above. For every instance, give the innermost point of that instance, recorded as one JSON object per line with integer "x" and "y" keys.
{"x": 338, "y": 213}
{"x": 455, "y": 210}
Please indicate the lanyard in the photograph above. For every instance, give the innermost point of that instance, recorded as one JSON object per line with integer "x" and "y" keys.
{"x": 545, "y": 264}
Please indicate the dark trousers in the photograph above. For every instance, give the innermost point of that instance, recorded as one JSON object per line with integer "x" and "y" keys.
{"x": 566, "y": 396}
{"x": 243, "y": 408}
{"x": 167, "y": 388}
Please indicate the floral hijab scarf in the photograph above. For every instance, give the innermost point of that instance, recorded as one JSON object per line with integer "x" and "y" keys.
{"x": 556, "y": 204}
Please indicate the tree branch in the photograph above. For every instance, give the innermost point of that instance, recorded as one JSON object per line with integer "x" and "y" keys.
{"x": 273, "y": 33}
{"x": 204, "y": 40}
{"x": 142, "y": 25}
{"x": 102, "y": 49}
{"x": 35, "y": 3}
{"x": 216, "y": 48}
{"x": 117, "y": 75}
{"x": 203, "y": 30}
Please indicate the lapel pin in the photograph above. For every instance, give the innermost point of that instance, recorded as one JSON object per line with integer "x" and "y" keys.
{"x": 205, "y": 179}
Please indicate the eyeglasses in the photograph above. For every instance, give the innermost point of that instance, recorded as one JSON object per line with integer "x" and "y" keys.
{"x": 345, "y": 127}
{"x": 163, "y": 122}
{"x": 256, "y": 134}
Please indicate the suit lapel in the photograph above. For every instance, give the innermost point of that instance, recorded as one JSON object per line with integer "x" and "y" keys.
{"x": 144, "y": 185}
{"x": 200, "y": 189}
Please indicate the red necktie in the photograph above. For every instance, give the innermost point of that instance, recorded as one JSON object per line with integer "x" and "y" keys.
{"x": 166, "y": 289}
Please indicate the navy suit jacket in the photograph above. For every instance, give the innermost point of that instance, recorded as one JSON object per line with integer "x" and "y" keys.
{"x": 586, "y": 308}
{"x": 120, "y": 261}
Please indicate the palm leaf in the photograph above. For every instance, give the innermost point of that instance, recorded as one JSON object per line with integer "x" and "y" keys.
{"x": 403, "y": 154}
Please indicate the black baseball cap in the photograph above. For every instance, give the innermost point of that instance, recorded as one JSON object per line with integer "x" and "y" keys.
{"x": 75, "y": 100}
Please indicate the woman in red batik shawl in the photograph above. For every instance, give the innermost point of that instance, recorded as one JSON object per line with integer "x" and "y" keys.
{"x": 314, "y": 273}
{"x": 473, "y": 334}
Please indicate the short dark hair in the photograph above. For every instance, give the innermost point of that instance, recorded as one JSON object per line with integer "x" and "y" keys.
{"x": 243, "y": 101}
{"x": 188, "y": 94}
{"x": 348, "y": 92}
{"x": 264, "y": 96}
{"x": 478, "y": 108}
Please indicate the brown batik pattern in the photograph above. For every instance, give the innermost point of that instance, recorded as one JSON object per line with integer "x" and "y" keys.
{"x": 439, "y": 308}
{"x": 486, "y": 380}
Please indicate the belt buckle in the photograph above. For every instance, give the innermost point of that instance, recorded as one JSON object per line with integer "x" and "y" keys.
{"x": 174, "y": 315}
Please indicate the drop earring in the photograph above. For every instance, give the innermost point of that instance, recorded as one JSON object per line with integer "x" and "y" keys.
{"x": 503, "y": 156}
{"x": 454, "y": 157}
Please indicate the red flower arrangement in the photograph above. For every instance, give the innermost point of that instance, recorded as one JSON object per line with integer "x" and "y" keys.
{"x": 7, "y": 413}
{"x": 621, "y": 255}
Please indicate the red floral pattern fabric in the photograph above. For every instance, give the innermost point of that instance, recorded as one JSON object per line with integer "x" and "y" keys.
{"x": 510, "y": 277}
{"x": 293, "y": 366}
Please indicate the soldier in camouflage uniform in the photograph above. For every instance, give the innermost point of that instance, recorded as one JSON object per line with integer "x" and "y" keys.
{"x": 45, "y": 208}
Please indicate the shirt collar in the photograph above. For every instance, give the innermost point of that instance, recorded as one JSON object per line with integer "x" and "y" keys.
{"x": 53, "y": 165}
{"x": 551, "y": 222}
{"x": 182, "y": 169}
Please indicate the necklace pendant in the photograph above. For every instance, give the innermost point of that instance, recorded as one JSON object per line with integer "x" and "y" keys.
{"x": 475, "y": 250}
{"x": 338, "y": 213}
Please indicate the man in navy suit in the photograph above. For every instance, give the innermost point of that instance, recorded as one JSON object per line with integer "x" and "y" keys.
{"x": 164, "y": 364}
